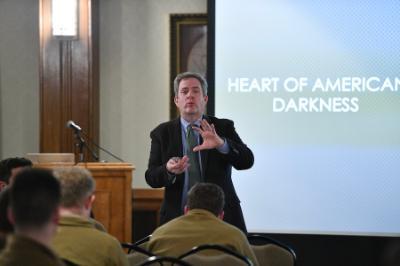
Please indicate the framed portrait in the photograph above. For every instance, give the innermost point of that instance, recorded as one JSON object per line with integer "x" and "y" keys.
{"x": 188, "y": 48}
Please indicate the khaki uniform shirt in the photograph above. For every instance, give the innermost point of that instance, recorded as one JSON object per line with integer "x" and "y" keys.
{"x": 78, "y": 241}
{"x": 21, "y": 250}
{"x": 195, "y": 228}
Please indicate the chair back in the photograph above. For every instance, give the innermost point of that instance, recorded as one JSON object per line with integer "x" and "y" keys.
{"x": 136, "y": 254}
{"x": 215, "y": 260}
{"x": 222, "y": 255}
{"x": 136, "y": 258}
{"x": 271, "y": 252}
{"x": 132, "y": 248}
{"x": 164, "y": 260}
{"x": 143, "y": 242}
{"x": 272, "y": 255}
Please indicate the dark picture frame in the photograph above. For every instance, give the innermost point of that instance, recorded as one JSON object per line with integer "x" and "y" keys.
{"x": 188, "y": 48}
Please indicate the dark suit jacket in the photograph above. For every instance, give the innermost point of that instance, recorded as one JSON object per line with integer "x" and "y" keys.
{"x": 166, "y": 142}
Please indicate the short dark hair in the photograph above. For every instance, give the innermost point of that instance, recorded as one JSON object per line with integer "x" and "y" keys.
{"x": 5, "y": 225}
{"x": 34, "y": 197}
{"x": 8, "y": 164}
{"x": 206, "y": 196}
{"x": 186, "y": 75}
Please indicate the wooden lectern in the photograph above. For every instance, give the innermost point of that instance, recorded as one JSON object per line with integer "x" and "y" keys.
{"x": 113, "y": 204}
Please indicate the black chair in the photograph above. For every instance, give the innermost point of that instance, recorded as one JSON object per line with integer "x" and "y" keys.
{"x": 136, "y": 254}
{"x": 135, "y": 248}
{"x": 160, "y": 260}
{"x": 270, "y": 251}
{"x": 139, "y": 246}
{"x": 143, "y": 241}
{"x": 223, "y": 256}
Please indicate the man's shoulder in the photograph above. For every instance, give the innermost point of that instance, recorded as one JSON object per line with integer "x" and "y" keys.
{"x": 218, "y": 121}
{"x": 78, "y": 227}
{"x": 21, "y": 250}
{"x": 233, "y": 229}
{"x": 176, "y": 222}
{"x": 165, "y": 126}
{"x": 103, "y": 237}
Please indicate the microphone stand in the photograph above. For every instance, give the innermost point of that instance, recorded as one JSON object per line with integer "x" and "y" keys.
{"x": 101, "y": 148}
{"x": 81, "y": 143}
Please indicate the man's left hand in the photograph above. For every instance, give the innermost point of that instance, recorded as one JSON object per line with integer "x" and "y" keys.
{"x": 211, "y": 140}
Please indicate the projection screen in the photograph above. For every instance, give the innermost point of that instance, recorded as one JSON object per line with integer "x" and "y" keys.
{"x": 314, "y": 90}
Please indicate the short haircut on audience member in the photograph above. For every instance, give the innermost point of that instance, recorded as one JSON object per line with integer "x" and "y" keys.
{"x": 76, "y": 185}
{"x": 34, "y": 198}
{"x": 8, "y": 164}
{"x": 206, "y": 196}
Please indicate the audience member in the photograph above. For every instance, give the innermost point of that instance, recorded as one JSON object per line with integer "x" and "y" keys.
{"x": 10, "y": 167}
{"x": 5, "y": 226}
{"x": 78, "y": 240}
{"x": 34, "y": 200}
{"x": 201, "y": 224}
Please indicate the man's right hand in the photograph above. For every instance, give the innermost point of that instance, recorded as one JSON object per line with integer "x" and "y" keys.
{"x": 177, "y": 165}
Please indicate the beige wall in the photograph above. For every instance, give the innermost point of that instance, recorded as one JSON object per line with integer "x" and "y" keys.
{"x": 19, "y": 77}
{"x": 134, "y": 75}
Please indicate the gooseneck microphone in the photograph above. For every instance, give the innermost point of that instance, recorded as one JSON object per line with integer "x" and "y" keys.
{"x": 71, "y": 124}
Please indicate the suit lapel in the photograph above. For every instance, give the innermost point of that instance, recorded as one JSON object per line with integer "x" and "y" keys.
{"x": 176, "y": 131}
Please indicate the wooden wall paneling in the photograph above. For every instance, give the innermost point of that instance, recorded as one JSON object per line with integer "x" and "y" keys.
{"x": 49, "y": 88}
{"x": 115, "y": 179}
{"x": 69, "y": 86}
{"x": 147, "y": 199}
{"x": 102, "y": 207}
{"x": 145, "y": 211}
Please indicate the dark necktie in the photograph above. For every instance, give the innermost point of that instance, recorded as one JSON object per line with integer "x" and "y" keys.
{"x": 194, "y": 167}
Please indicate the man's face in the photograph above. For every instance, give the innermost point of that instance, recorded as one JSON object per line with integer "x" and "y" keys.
{"x": 190, "y": 99}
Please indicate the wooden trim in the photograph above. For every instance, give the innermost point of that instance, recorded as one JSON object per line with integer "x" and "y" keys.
{"x": 147, "y": 199}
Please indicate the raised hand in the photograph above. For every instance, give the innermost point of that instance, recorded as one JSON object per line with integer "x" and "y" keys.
{"x": 211, "y": 140}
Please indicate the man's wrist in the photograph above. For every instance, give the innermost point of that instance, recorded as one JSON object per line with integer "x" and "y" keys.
{"x": 221, "y": 142}
{"x": 224, "y": 148}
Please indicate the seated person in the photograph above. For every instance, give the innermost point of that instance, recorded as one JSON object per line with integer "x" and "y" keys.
{"x": 78, "y": 240}
{"x": 10, "y": 167}
{"x": 34, "y": 200}
{"x": 5, "y": 226}
{"x": 201, "y": 224}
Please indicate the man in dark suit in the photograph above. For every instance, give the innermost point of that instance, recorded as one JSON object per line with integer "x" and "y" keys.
{"x": 219, "y": 148}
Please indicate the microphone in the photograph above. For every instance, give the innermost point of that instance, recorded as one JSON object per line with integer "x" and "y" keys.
{"x": 71, "y": 124}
